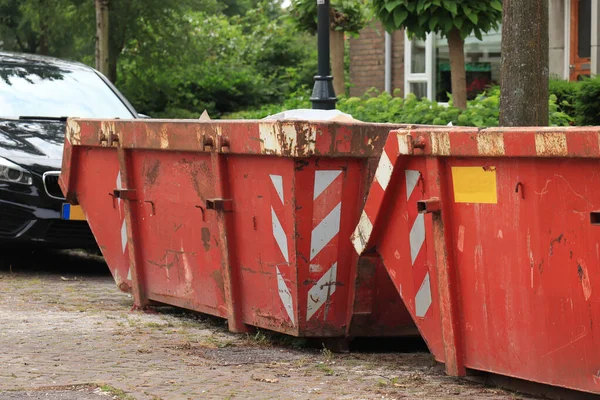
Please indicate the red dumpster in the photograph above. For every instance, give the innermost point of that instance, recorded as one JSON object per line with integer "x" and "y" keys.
{"x": 247, "y": 220}
{"x": 492, "y": 238}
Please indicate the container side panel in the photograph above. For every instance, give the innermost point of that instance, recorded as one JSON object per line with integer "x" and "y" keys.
{"x": 178, "y": 234}
{"x": 263, "y": 192}
{"x": 527, "y": 248}
{"x": 97, "y": 176}
{"x": 326, "y": 213}
{"x": 407, "y": 249}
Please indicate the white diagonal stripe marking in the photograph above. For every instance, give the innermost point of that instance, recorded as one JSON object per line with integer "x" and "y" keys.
{"x": 322, "y": 181}
{"x": 321, "y": 291}
{"x": 278, "y": 183}
{"x": 384, "y": 170}
{"x": 362, "y": 233}
{"x": 119, "y": 181}
{"x": 412, "y": 178}
{"x": 279, "y": 235}
{"x": 285, "y": 296}
{"x": 325, "y": 231}
{"x": 417, "y": 237}
{"x": 124, "y": 235}
{"x": 403, "y": 147}
{"x": 423, "y": 297}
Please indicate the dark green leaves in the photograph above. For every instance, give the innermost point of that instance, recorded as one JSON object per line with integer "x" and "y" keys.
{"x": 400, "y": 15}
{"x": 421, "y": 17}
{"x": 347, "y": 15}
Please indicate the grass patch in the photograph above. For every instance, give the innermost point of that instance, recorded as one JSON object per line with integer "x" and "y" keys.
{"x": 326, "y": 369}
{"x": 118, "y": 393}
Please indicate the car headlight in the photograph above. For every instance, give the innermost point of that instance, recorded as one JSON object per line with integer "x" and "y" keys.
{"x": 11, "y": 172}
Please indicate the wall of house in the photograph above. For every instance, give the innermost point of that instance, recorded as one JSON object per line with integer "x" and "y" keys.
{"x": 367, "y": 60}
{"x": 595, "y": 59}
{"x": 367, "y": 52}
{"x": 556, "y": 31}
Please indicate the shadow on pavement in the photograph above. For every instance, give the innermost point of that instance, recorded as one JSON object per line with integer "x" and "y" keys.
{"x": 48, "y": 261}
{"x": 77, "y": 263}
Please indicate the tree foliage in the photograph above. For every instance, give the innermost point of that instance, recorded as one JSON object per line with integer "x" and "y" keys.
{"x": 218, "y": 63}
{"x": 34, "y": 26}
{"x": 454, "y": 19}
{"x": 420, "y": 17}
{"x": 345, "y": 15}
{"x": 175, "y": 58}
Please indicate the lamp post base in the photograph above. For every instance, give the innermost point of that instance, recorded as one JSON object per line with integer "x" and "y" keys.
{"x": 323, "y": 95}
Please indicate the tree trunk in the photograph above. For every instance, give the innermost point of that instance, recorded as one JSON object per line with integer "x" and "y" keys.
{"x": 112, "y": 66}
{"x": 456, "y": 48}
{"x": 336, "y": 46}
{"x": 524, "y": 63}
{"x": 102, "y": 37}
{"x": 44, "y": 47}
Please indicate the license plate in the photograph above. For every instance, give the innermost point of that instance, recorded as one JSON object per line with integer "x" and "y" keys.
{"x": 72, "y": 213}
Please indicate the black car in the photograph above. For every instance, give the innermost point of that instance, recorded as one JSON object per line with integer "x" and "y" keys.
{"x": 37, "y": 94}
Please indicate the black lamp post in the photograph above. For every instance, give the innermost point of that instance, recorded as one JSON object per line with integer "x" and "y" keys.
{"x": 323, "y": 95}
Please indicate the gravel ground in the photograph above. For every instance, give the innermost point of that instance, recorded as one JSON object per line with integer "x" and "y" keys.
{"x": 65, "y": 323}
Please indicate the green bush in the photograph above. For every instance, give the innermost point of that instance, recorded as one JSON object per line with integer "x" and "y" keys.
{"x": 566, "y": 93}
{"x": 483, "y": 111}
{"x": 219, "y": 63}
{"x": 587, "y": 104}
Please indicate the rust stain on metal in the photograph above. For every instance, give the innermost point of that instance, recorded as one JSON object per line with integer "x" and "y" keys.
{"x": 295, "y": 139}
{"x": 150, "y": 171}
{"x": 217, "y": 276}
{"x": 73, "y": 132}
{"x": 551, "y": 144}
{"x": 108, "y": 128}
{"x": 306, "y": 138}
{"x": 440, "y": 143}
{"x": 151, "y": 134}
{"x": 582, "y": 271}
{"x": 164, "y": 137}
{"x": 367, "y": 140}
{"x": 554, "y": 241}
{"x": 201, "y": 176}
{"x": 300, "y": 164}
{"x": 490, "y": 143}
{"x": 206, "y": 238}
{"x": 124, "y": 287}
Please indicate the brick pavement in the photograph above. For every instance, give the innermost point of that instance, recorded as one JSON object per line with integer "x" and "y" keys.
{"x": 57, "y": 332}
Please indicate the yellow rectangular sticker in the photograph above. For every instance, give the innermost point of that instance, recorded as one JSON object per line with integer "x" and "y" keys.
{"x": 474, "y": 184}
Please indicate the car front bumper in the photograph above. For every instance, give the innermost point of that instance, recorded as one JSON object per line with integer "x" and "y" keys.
{"x": 30, "y": 215}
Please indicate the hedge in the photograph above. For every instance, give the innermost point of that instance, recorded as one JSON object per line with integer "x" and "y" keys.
{"x": 373, "y": 106}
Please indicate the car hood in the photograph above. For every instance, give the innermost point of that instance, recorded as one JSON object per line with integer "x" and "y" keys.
{"x": 35, "y": 145}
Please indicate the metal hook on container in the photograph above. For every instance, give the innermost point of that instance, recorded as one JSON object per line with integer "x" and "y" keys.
{"x": 519, "y": 184}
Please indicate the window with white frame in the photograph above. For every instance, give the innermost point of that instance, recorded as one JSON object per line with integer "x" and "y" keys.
{"x": 427, "y": 65}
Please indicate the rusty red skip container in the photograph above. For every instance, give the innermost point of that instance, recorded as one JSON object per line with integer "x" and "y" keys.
{"x": 492, "y": 238}
{"x": 246, "y": 220}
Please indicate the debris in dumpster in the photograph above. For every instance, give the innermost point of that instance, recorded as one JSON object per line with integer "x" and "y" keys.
{"x": 308, "y": 114}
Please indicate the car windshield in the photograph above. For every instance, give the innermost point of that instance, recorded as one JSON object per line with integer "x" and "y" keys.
{"x": 47, "y": 90}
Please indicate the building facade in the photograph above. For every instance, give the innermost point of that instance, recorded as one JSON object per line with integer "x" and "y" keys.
{"x": 422, "y": 67}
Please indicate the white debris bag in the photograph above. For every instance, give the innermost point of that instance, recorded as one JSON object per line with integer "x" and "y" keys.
{"x": 308, "y": 114}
